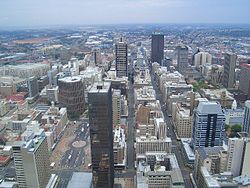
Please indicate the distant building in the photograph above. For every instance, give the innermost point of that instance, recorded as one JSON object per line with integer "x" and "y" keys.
{"x": 202, "y": 58}
{"x": 101, "y": 134}
{"x": 96, "y": 56}
{"x": 42, "y": 82}
{"x": 4, "y": 107}
{"x": 245, "y": 79}
{"x": 216, "y": 74}
{"x": 157, "y": 47}
{"x": 71, "y": 95}
{"x": 166, "y": 62}
{"x": 182, "y": 58}
{"x": 25, "y": 70}
{"x": 121, "y": 57}
{"x": 52, "y": 93}
{"x": 229, "y": 70}
{"x": 32, "y": 163}
{"x": 208, "y": 125}
{"x": 32, "y": 85}
{"x": 246, "y": 122}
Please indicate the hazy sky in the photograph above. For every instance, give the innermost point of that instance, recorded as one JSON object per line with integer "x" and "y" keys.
{"x": 58, "y": 12}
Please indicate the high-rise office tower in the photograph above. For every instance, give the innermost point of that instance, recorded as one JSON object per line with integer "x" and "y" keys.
{"x": 182, "y": 58}
{"x": 245, "y": 79}
{"x": 157, "y": 47}
{"x": 33, "y": 89}
{"x": 101, "y": 134}
{"x": 31, "y": 160}
{"x": 246, "y": 122}
{"x": 229, "y": 70}
{"x": 71, "y": 95}
{"x": 96, "y": 56}
{"x": 121, "y": 58}
{"x": 208, "y": 125}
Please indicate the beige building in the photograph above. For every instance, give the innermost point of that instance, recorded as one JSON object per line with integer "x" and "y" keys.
{"x": 4, "y": 107}
{"x": 32, "y": 162}
{"x": 54, "y": 120}
{"x": 119, "y": 147}
{"x": 246, "y": 159}
{"x": 152, "y": 144}
{"x": 202, "y": 58}
{"x": 214, "y": 159}
{"x": 116, "y": 107}
{"x": 182, "y": 120}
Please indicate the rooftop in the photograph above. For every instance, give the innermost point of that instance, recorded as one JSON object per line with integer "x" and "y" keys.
{"x": 70, "y": 79}
{"x": 209, "y": 107}
{"x": 100, "y": 87}
{"x": 80, "y": 179}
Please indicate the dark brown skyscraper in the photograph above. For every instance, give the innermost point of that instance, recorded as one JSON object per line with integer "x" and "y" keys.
{"x": 121, "y": 58}
{"x": 182, "y": 58}
{"x": 101, "y": 134}
{"x": 71, "y": 95}
{"x": 157, "y": 47}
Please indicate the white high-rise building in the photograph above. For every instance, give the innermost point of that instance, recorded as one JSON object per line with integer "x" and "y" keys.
{"x": 32, "y": 161}
{"x": 235, "y": 152}
{"x": 246, "y": 122}
{"x": 202, "y": 58}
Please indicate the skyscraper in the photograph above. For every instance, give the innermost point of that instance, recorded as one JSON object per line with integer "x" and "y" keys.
{"x": 101, "y": 134}
{"x": 208, "y": 126}
{"x": 229, "y": 70}
{"x": 121, "y": 58}
{"x": 245, "y": 79}
{"x": 32, "y": 87}
{"x": 182, "y": 58}
{"x": 246, "y": 122}
{"x": 71, "y": 95}
{"x": 32, "y": 163}
{"x": 157, "y": 47}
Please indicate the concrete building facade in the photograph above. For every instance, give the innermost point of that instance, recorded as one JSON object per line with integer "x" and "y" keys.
{"x": 32, "y": 163}
{"x": 229, "y": 70}
{"x": 71, "y": 95}
{"x": 245, "y": 79}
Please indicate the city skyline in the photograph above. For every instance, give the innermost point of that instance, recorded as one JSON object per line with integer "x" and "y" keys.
{"x": 28, "y": 13}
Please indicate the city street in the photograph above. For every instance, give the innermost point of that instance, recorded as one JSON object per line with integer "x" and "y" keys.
{"x": 74, "y": 157}
{"x": 131, "y": 125}
{"x": 170, "y": 133}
